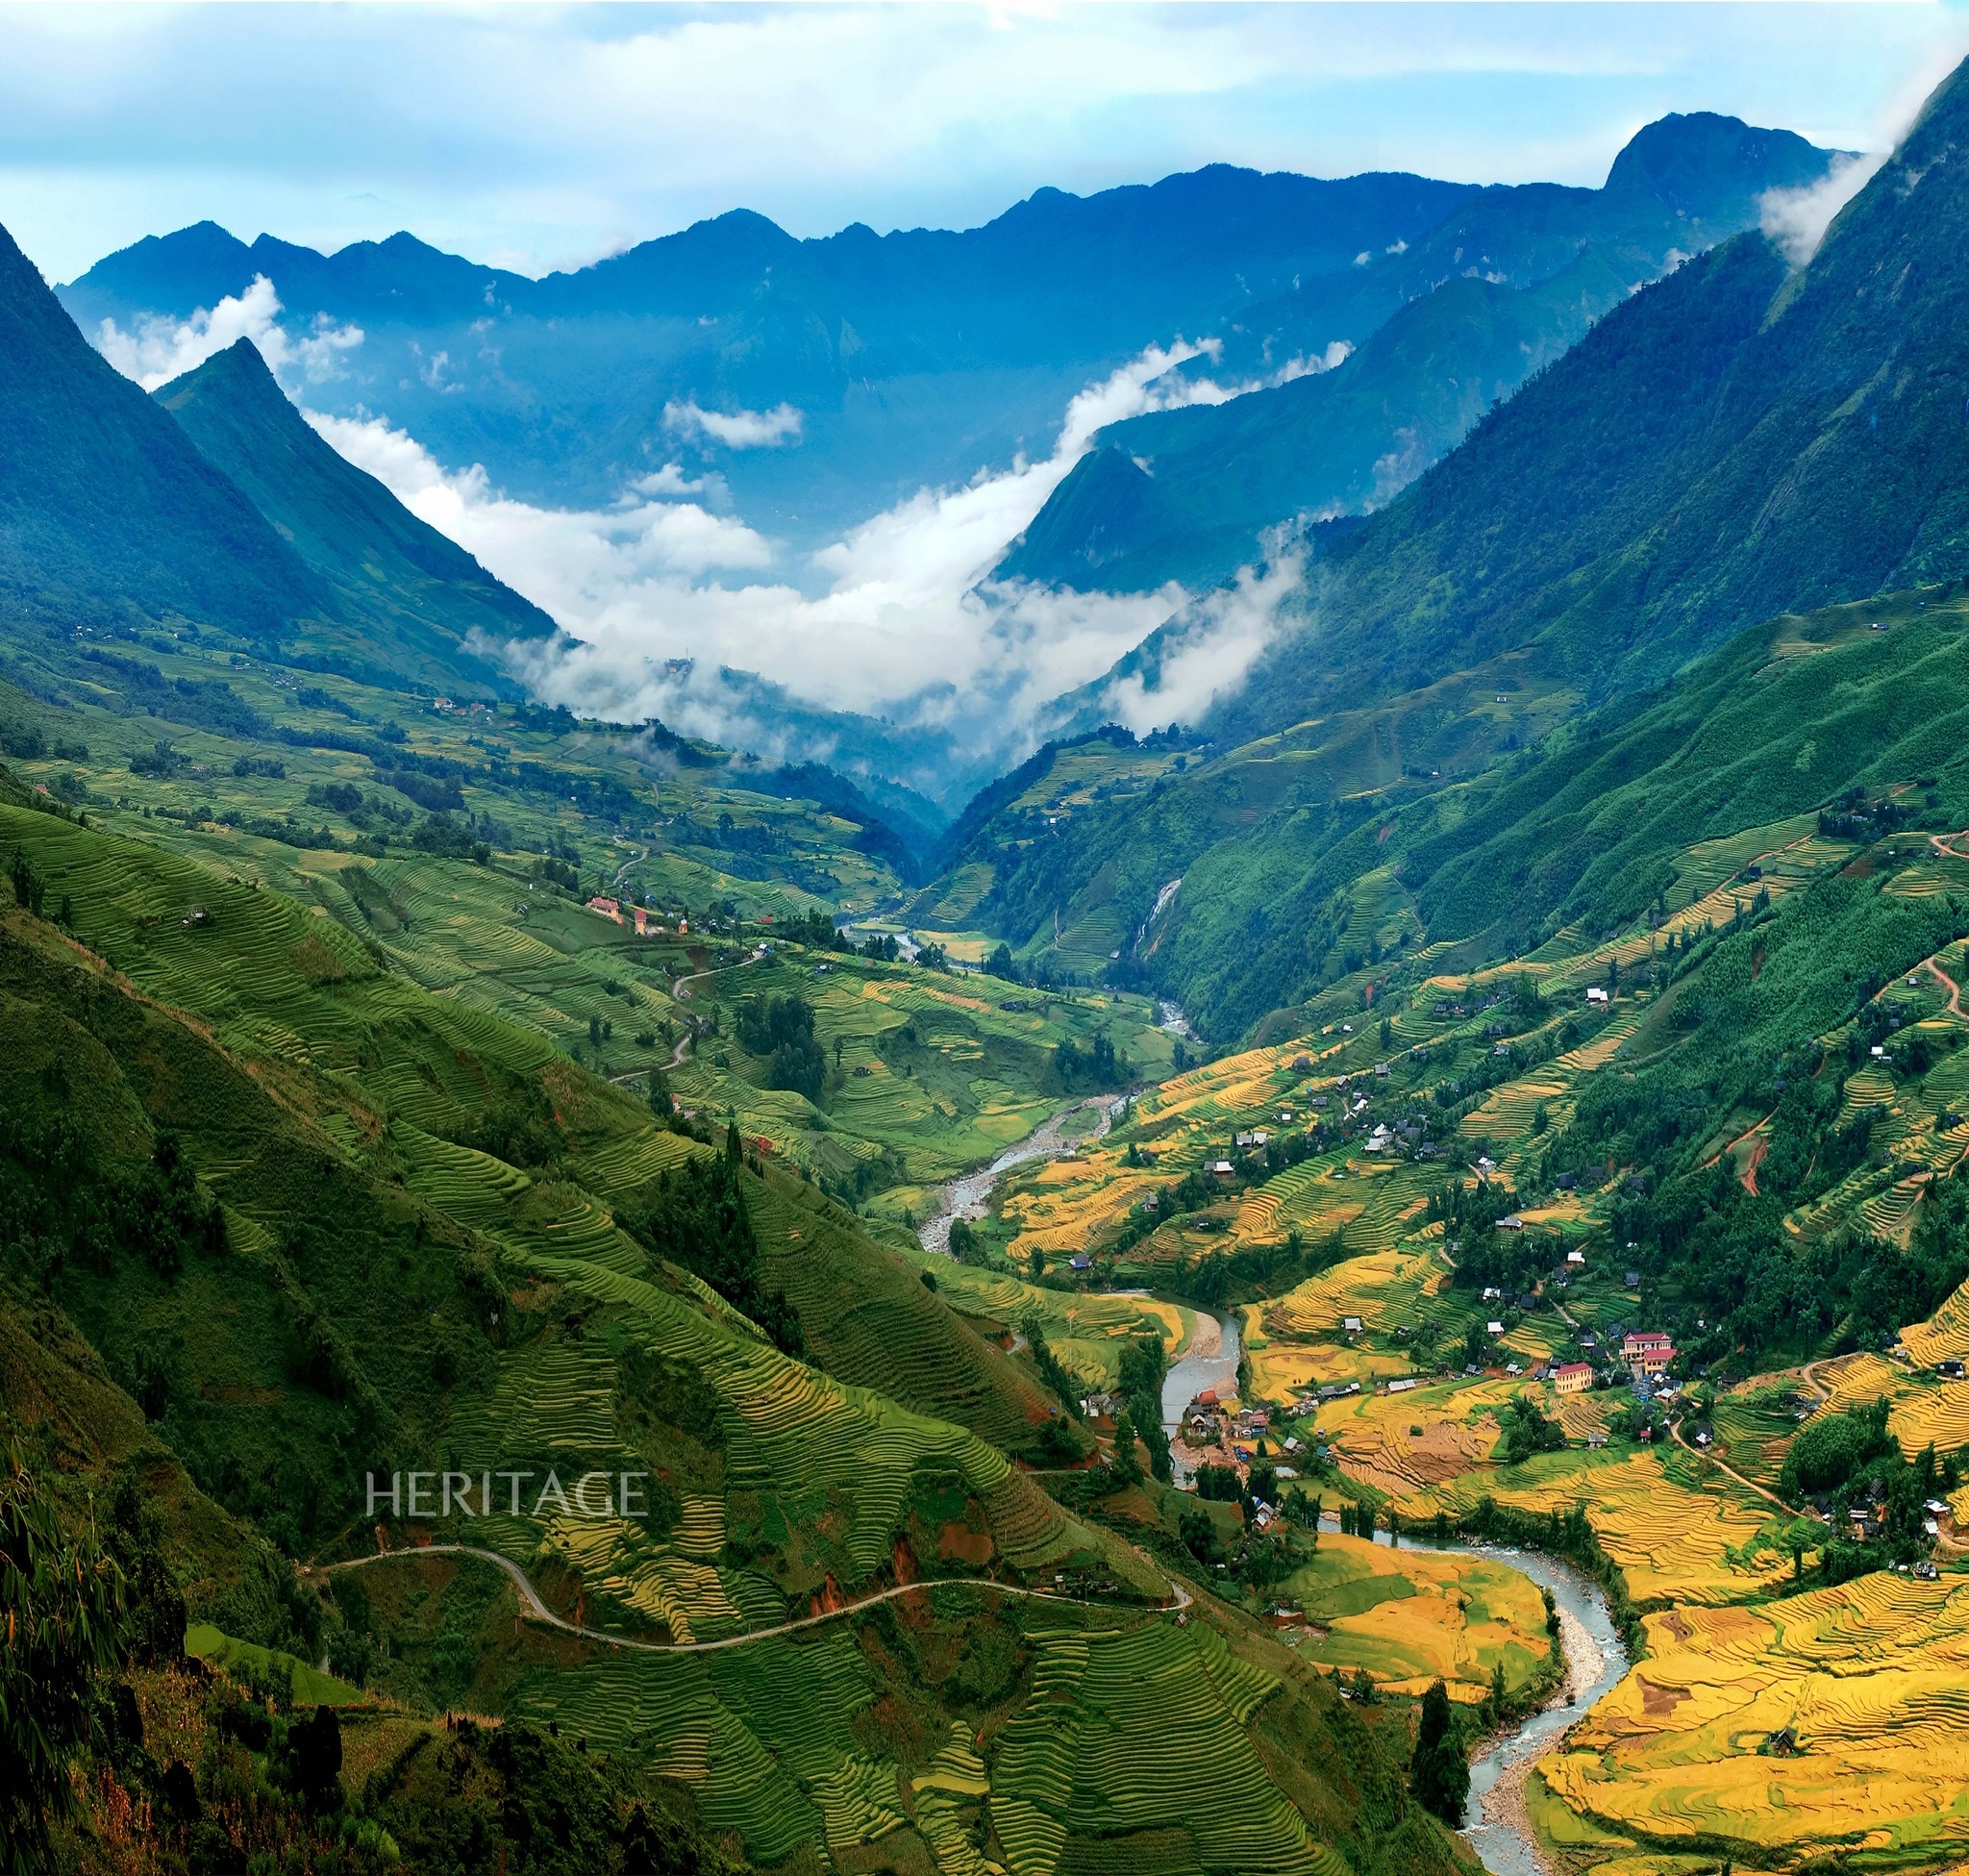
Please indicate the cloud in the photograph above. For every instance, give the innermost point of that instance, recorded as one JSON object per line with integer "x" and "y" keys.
{"x": 574, "y": 564}
{"x": 1210, "y": 650}
{"x": 1797, "y": 218}
{"x": 898, "y": 618}
{"x": 740, "y": 429}
{"x": 551, "y": 135}
{"x": 160, "y": 350}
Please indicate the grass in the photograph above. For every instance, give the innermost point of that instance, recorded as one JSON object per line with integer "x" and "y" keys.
{"x": 930, "y": 1075}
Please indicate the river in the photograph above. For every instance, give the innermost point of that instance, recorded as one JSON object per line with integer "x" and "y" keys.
{"x": 967, "y": 1198}
{"x": 1497, "y": 1828}
{"x": 1210, "y": 1360}
{"x": 1496, "y": 1825}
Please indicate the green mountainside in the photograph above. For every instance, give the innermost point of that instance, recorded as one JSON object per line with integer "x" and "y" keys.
{"x": 107, "y": 511}
{"x": 341, "y": 1141}
{"x": 405, "y": 1092}
{"x": 1735, "y": 444}
{"x": 396, "y": 581}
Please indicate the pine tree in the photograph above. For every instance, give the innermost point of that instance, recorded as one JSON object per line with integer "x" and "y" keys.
{"x": 1439, "y": 1774}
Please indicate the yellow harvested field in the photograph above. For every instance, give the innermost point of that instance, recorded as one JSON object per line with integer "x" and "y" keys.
{"x": 1932, "y": 1414}
{"x": 1282, "y": 1369}
{"x": 1409, "y": 1617}
{"x": 1869, "y": 1676}
{"x": 1946, "y": 1333}
{"x": 1854, "y": 1380}
{"x": 1404, "y": 1444}
{"x": 1383, "y": 1289}
{"x": 1672, "y": 1542}
{"x": 1062, "y": 1208}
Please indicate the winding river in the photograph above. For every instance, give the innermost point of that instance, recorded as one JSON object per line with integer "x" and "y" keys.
{"x": 967, "y": 1198}
{"x": 1496, "y": 1825}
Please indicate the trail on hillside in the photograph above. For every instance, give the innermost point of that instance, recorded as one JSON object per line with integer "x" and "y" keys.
{"x": 541, "y": 1613}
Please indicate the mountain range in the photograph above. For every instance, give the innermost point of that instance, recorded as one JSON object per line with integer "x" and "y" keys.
{"x": 1739, "y": 442}
{"x": 914, "y": 359}
{"x": 1445, "y": 330}
{"x": 402, "y": 1078}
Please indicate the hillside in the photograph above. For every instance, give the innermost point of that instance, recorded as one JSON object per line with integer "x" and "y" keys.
{"x": 411, "y": 596}
{"x": 1445, "y": 331}
{"x": 1447, "y": 643}
{"x": 1734, "y": 442}
{"x": 324, "y": 1222}
{"x": 108, "y": 514}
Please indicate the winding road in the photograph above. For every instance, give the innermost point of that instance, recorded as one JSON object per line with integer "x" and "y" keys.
{"x": 1749, "y": 1485}
{"x": 541, "y": 1613}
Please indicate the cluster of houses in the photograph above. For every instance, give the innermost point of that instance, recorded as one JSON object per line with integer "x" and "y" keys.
{"x": 1647, "y": 1354}
{"x": 613, "y": 908}
{"x": 1215, "y": 1430}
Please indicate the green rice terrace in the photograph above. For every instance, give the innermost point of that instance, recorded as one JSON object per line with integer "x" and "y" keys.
{"x": 405, "y": 1231}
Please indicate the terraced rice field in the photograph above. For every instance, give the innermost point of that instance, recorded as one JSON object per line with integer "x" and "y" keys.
{"x": 1945, "y": 1334}
{"x": 1403, "y": 1446}
{"x": 1869, "y": 1676}
{"x": 1385, "y": 1289}
{"x": 1755, "y": 1427}
{"x": 1106, "y": 1744}
{"x": 1673, "y": 1542}
{"x": 933, "y": 1068}
{"x": 1086, "y": 1329}
{"x": 1410, "y": 1618}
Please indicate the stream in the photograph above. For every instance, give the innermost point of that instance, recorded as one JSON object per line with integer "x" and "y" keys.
{"x": 966, "y": 1197}
{"x": 1496, "y": 1825}
{"x": 1209, "y": 1361}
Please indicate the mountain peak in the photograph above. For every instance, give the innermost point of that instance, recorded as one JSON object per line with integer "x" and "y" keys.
{"x": 1691, "y": 161}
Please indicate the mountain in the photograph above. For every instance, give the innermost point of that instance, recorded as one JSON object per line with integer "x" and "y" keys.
{"x": 912, "y": 358}
{"x": 1735, "y": 442}
{"x": 410, "y": 592}
{"x": 1738, "y": 441}
{"x": 108, "y": 511}
{"x": 1445, "y": 330}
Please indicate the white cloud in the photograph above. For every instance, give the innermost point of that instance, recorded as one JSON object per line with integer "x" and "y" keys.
{"x": 1797, "y": 218}
{"x": 739, "y": 429}
{"x": 551, "y": 135}
{"x": 160, "y": 350}
{"x": 1209, "y": 651}
{"x": 569, "y": 562}
{"x": 905, "y": 621}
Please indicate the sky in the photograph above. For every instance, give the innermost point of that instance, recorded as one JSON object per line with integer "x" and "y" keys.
{"x": 539, "y": 136}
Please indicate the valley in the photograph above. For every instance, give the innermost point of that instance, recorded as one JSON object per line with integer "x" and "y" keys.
{"x": 1366, "y": 1275}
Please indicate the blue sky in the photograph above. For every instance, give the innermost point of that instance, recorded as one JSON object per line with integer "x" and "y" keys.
{"x": 539, "y": 136}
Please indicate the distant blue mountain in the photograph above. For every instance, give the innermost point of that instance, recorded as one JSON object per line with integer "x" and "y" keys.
{"x": 914, "y": 358}
{"x": 1446, "y": 328}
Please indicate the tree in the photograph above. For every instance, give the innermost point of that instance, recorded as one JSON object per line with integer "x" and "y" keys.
{"x": 1439, "y": 1774}
{"x": 782, "y": 1031}
{"x": 1198, "y": 1534}
{"x": 662, "y": 1103}
{"x": 1128, "y": 1468}
{"x": 63, "y": 1606}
